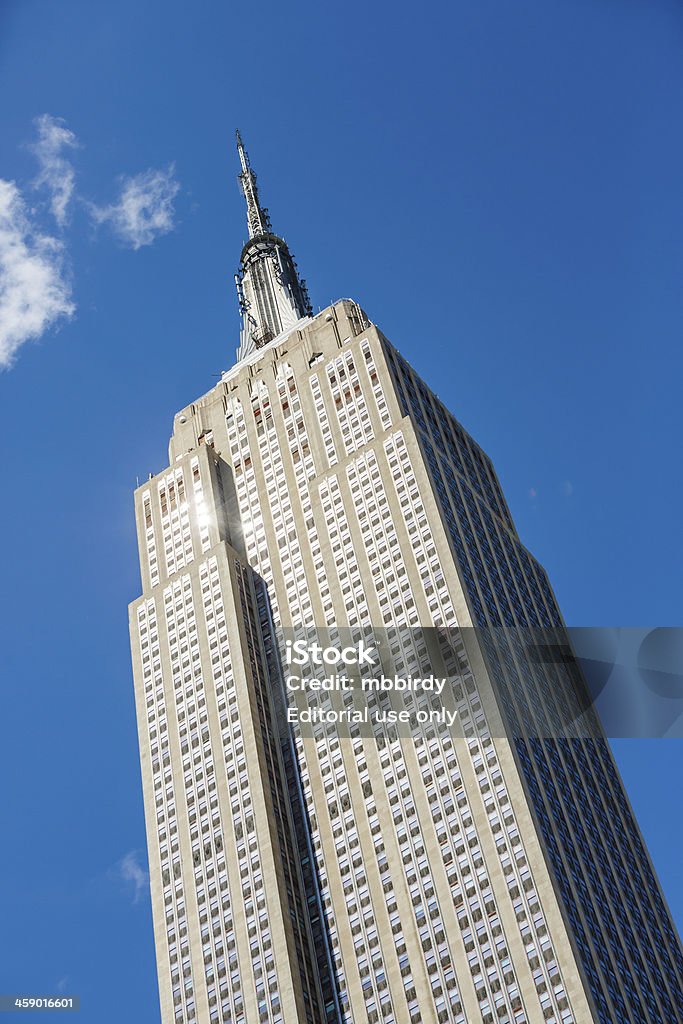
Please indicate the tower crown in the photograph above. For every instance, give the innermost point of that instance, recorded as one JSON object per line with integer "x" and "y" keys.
{"x": 272, "y": 295}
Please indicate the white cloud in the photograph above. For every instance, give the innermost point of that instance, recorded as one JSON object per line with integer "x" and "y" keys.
{"x": 132, "y": 871}
{"x": 56, "y": 173}
{"x": 34, "y": 293}
{"x": 144, "y": 209}
{"x": 567, "y": 488}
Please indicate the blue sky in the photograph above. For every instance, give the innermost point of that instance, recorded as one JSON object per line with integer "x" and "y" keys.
{"x": 498, "y": 184}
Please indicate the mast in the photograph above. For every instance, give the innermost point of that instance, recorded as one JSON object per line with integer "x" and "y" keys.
{"x": 272, "y": 295}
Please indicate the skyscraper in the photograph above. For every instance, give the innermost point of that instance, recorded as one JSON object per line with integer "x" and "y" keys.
{"x": 330, "y": 853}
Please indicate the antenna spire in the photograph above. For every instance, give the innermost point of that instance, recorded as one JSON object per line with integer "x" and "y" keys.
{"x": 244, "y": 156}
{"x": 257, "y": 215}
{"x": 272, "y": 295}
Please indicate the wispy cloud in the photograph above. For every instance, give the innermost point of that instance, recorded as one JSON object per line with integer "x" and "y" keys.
{"x": 34, "y": 292}
{"x": 56, "y": 173}
{"x": 144, "y": 209}
{"x": 35, "y": 287}
{"x": 131, "y": 871}
{"x": 567, "y": 488}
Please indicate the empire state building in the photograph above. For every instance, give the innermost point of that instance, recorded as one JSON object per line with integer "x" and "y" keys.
{"x": 324, "y": 852}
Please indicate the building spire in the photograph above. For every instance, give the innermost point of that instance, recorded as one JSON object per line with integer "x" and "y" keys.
{"x": 257, "y": 216}
{"x": 272, "y": 296}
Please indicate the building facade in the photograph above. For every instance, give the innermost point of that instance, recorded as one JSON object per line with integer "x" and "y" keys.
{"x": 310, "y": 859}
